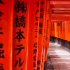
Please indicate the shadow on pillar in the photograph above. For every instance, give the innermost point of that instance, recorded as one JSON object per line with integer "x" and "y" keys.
{"x": 45, "y": 63}
{"x": 48, "y": 64}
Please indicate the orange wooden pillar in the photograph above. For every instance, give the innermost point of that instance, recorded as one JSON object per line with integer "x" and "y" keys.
{"x": 6, "y": 20}
{"x": 63, "y": 30}
{"x": 67, "y": 34}
{"x": 67, "y": 31}
{"x": 20, "y": 34}
{"x": 59, "y": 31}
{"x": 48, "y": 25}
{"x": 44, "y": 34}
{"x": 66, "y": 25}
{"x": 52, "y": 29}
{"x": 53, "y": 33}
{"x": 60, "y": 28}
{"x": 56, "y": 29}
{"x": 47, "y": 39}
{"x": 33, "y": 34}
{"x": 41, "y": 33}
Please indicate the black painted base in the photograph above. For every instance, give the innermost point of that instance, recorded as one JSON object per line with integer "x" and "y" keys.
{"x": 62, "y": 42}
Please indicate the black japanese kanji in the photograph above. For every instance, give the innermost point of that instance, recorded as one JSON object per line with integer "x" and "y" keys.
{"x": 37, "y": 11}
{"x": 38, "y": 62}
{"x": 19, "y": 48}
{"x": 40, "y": 25}
{"x": 36, "y": 35}
{"x": 2, "y": 54}
{"x": 1, "y": 32}
{"x": 34, "y": 64}
{"x": 36, "y": 30}
{"x": 1, "y": 45}
{"x": 41, "y": 15}
{"x": 40, "y": 31}
{"x": 41, "y": 10}
{"x": 34, "y": 58}
{"x": 42, "y": 2}
{"x": 19, "y": 35}
{"x": 37, "y": 4}
{"x": 21, "y": 69}
{"x": 20, "y": 21}
{"x": 1, "y": 14}
{"x": 34, "y": 51}
{"x": 21, "y": 6}
{"x": 35, "y": 45}
{"x": 38, "y": 68}
{"x": 36, "y": 24}
{"x": 1, "y": 2}
{"x": 1, "y": 67}
{"x": 1, "y": 51}
{"x": 36, "y": 18}
{"x": 19, "y": 62}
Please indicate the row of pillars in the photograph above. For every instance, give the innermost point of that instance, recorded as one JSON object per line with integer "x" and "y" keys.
{"x": 60, "y": 33}
{"x": 24, "y": 34}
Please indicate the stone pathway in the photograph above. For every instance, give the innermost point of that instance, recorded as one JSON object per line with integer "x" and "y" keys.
{"x": 59, "y": 56}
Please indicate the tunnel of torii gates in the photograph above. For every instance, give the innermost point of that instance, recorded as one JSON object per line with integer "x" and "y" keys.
{"x": 25, "y": 29}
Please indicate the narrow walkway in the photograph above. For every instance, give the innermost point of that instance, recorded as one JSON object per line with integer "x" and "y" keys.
{"x": 60, "y": 57}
